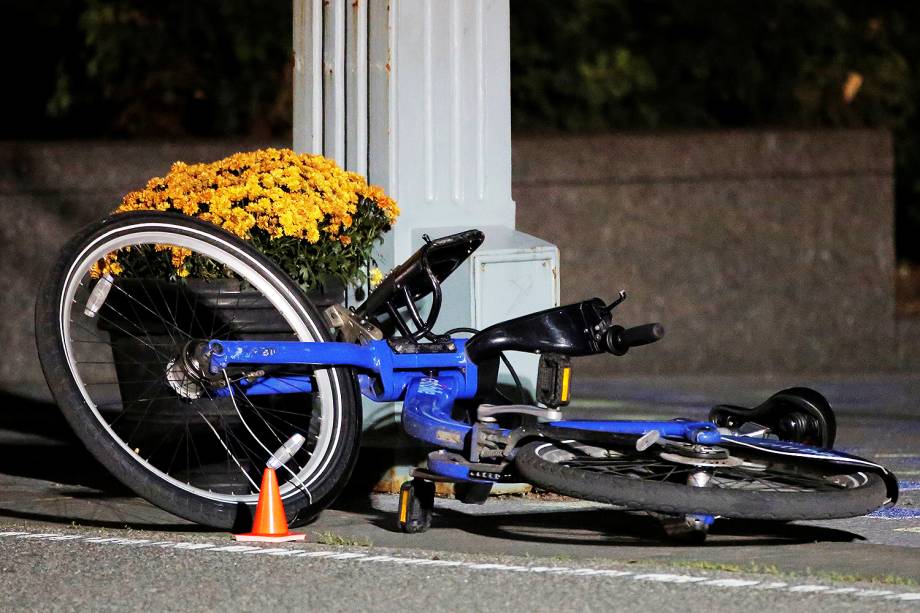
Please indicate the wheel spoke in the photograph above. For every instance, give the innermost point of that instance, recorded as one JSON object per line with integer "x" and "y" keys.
{"x": 651, "y": 468}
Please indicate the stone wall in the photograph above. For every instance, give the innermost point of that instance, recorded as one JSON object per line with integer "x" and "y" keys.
{"x": 47, "y": 192}
{"x": 758, "y": 251}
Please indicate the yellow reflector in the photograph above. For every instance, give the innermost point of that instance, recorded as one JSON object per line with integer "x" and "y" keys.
{"x": 403, "y": 505}
{"x": 566, "y": 375}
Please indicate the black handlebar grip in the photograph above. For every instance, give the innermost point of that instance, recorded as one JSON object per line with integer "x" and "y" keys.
{"x": 642, "y": 335}
{"x": 619, "y": 340}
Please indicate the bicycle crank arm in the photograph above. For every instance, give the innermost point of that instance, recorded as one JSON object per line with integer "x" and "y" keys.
{"x": 487, "y": 412}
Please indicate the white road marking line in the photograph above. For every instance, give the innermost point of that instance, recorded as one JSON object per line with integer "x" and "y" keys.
{"x": 913, "y": 529}
{"x": 555, "y": 570}
{"x": 734, "y": 583}
{"x": 194, "y": 546}
{"x": 842, "y": 590}
{"x": 872, "y": 593}
{"x": 316, "y": 554}
{"x": 397, "y": 560}
{"x": 272, "y": 552}
{"x": 437, "y": 563}
{"x": 574, "y": 571}
{"x": 385, "y": 559}
{"x": 615, "y": 573}
{"x": 809, "y": 588}
{"x": 446, "y": 562}
{"x": 235, "y": 548}
{"x": 346, "y": 556}
{"x": 668, "y": 578}
{"x": 486, "y": 566}
{"x": 131, "y": 541}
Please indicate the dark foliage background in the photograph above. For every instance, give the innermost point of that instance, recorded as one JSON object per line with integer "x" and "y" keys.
{"x": 148, "y": 68}
{"x": 588, "y": 65}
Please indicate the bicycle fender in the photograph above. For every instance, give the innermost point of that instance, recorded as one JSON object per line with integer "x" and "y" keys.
{"x": 797, "y": 450}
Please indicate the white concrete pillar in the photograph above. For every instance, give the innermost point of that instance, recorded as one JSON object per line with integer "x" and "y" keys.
{"x": 440, "y": 121}
{"x": 416, "y": 95}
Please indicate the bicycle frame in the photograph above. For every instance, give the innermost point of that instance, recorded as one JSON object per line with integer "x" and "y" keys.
{"x": 428, "y": 384}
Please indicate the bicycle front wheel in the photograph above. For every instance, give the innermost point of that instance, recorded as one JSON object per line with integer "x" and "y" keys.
{"x": 742, "y": 484}
{"x": 118, "y": 321}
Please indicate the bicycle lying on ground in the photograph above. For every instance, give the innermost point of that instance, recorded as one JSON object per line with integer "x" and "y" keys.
{"x": 181, "y": 386}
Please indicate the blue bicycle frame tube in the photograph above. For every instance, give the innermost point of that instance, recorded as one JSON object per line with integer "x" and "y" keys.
{"x": 426, "y": 411}
{"x": 702, "y": 432}
{"x": 427, "y": 383}
{"x": 395, "y": 371}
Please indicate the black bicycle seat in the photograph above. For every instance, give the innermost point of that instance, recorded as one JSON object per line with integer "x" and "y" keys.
{"x": 421, "y": 274}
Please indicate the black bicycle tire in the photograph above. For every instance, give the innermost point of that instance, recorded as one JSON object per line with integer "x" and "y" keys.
{"x": 675, "y": 498}
{"x": 237, "y": 516}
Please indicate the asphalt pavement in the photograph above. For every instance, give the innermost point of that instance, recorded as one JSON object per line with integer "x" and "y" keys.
{"x": 73, "y": 538}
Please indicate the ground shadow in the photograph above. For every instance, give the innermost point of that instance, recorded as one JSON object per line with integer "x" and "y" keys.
{"x": 39, "y": 444}
{"x": 374, "y": 465}
{"x": 581, "y": 526}
{"x": 54, "y": 518}
{"x": 601, "y": 526}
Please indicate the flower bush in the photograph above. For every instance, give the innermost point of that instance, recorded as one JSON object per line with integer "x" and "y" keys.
{"x": 314, "y": 219}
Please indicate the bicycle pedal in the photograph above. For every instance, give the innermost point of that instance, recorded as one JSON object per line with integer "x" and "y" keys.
{"x": 554, "y": 375}
{"x": 416, "y": 502}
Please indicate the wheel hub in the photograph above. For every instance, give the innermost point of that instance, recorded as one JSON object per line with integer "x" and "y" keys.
{"x": 698, "y": 455}
{"x": 184, "y": 373}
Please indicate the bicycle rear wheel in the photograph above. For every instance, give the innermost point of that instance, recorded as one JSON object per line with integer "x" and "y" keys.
{"x": 120, "y": 363}
{"x": 747, "y": 485}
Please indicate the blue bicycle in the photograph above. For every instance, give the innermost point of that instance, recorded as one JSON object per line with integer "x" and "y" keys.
{"x": 181, "y": 386}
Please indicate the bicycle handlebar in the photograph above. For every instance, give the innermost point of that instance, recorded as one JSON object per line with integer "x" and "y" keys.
{"x": 620, "y": 339}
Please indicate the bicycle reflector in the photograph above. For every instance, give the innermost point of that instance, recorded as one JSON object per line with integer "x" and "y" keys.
{"x": 553, "y": 378}
{"x": 286, "y": 451}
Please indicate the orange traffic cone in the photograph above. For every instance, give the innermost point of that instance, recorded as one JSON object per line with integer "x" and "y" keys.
{"x": 270, "y": 524}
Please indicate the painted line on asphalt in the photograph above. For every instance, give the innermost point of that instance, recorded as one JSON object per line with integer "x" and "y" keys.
{"x": 676, "y": 578}
{"x": 895, "y": 513}
{"x": 899, "y": 512}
